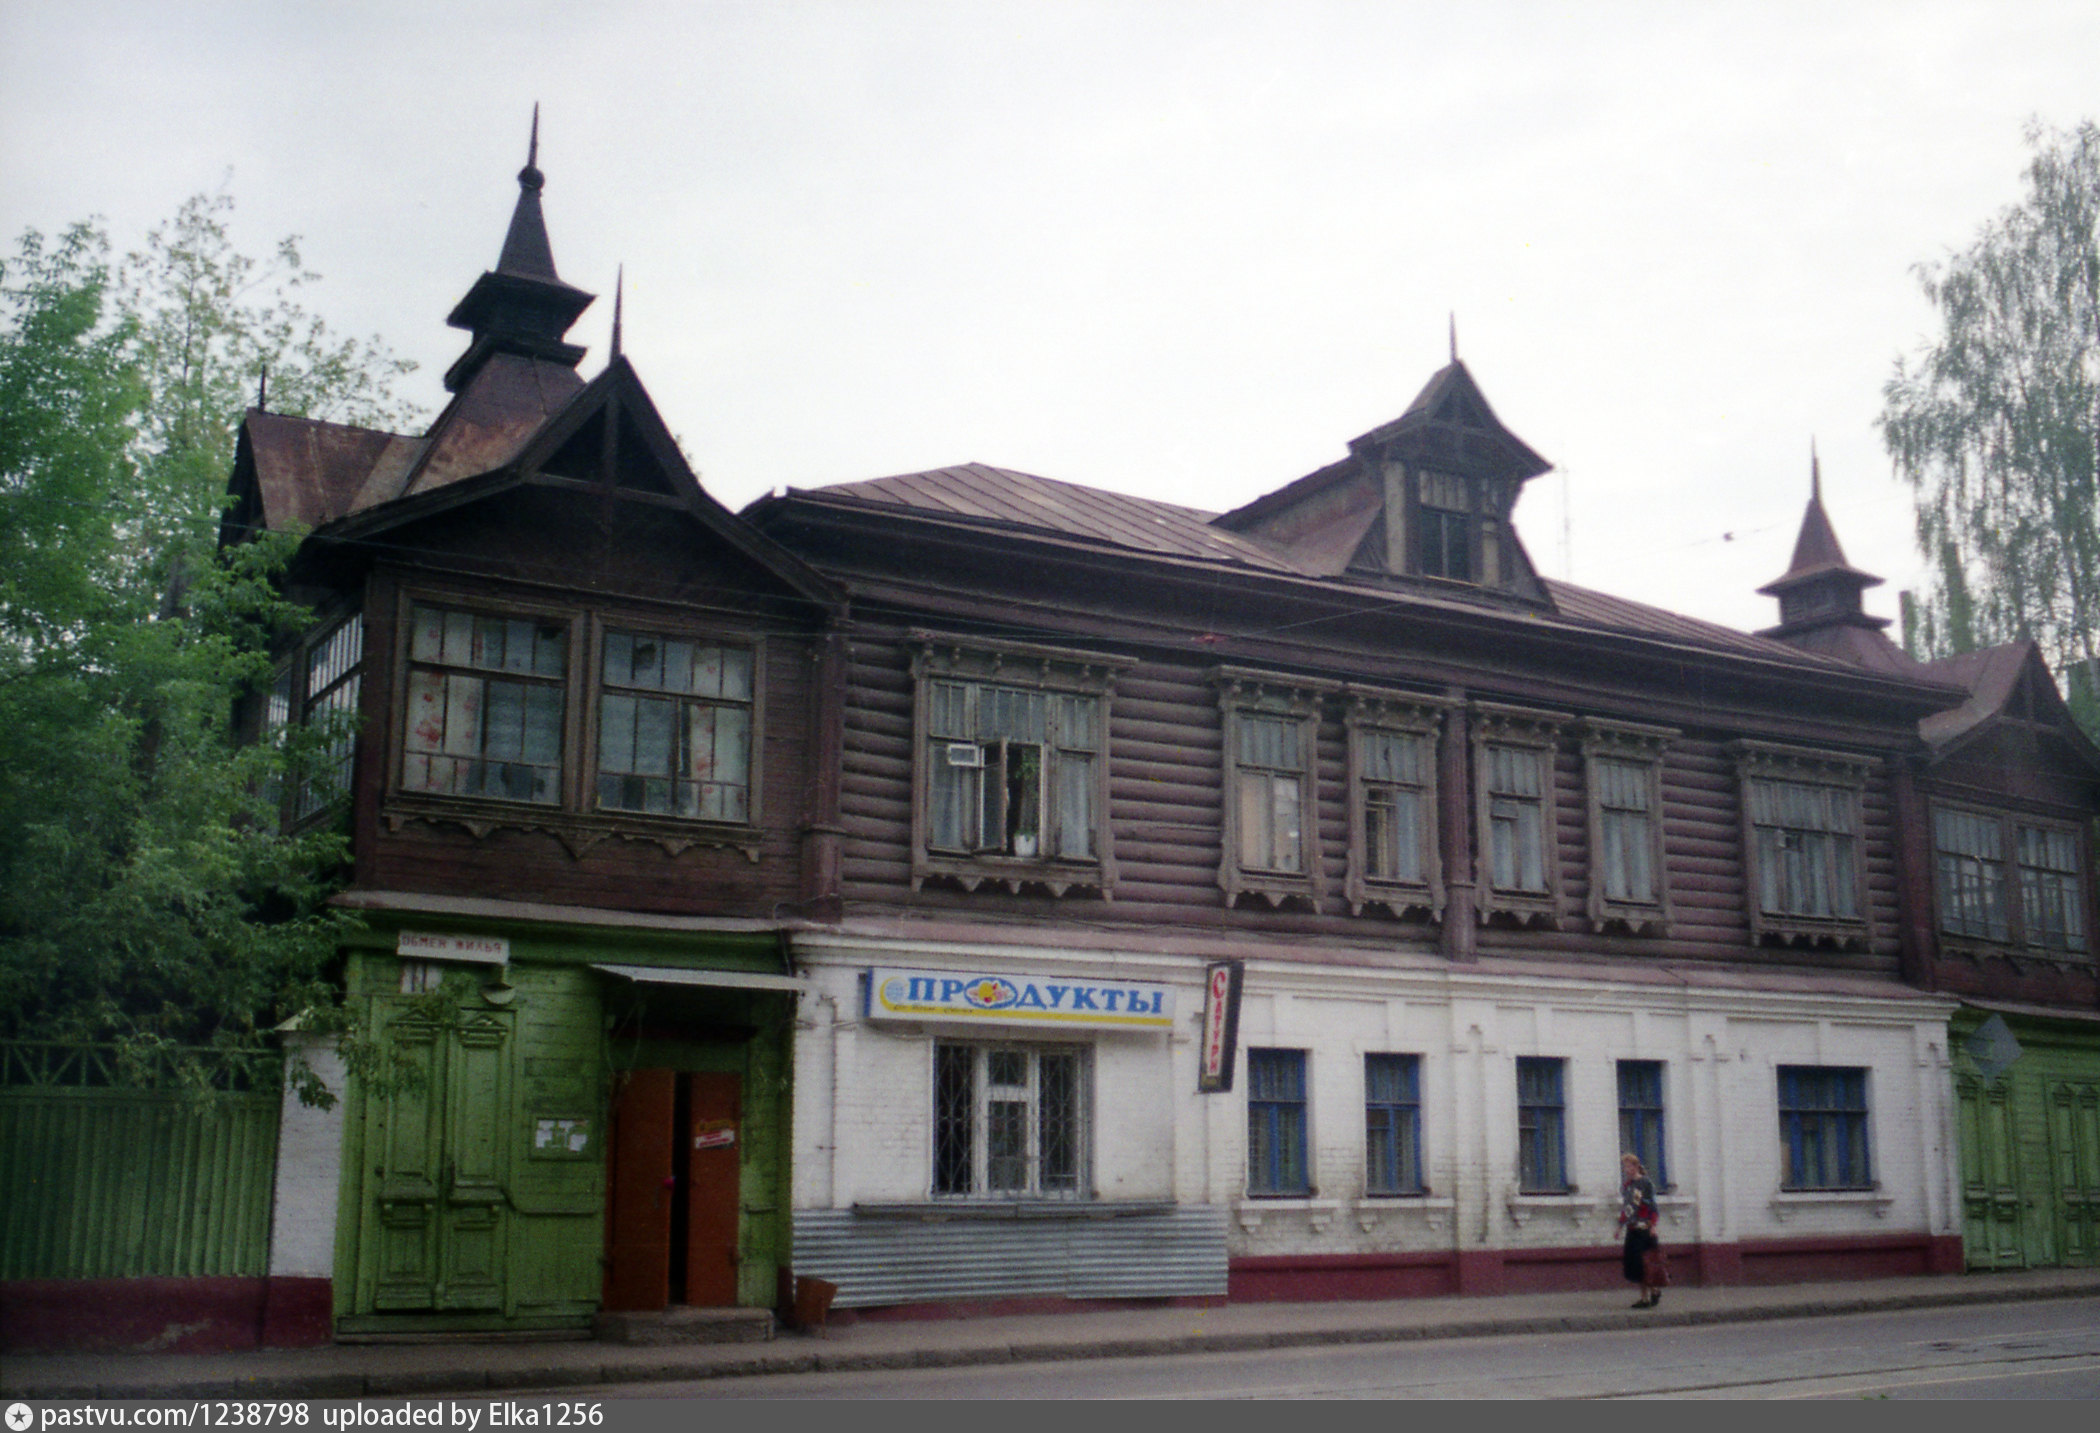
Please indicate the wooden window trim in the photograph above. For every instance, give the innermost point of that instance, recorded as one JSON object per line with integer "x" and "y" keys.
{"x": 1770, "y": 761}
{"x": 1494, "y": 724}
{"x": 1369, "y": 710}
{"x": 1013, "y": 664}
{"x": 2012, "y": 893}
{"x": 574, "y": 818}
{"x": 1633, "y": 743}
{"x": 1242, "y": 691}
{"x": 291, "y": 687}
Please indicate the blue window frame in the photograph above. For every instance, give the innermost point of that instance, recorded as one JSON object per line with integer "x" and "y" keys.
{"x": 1823, "y": 1128}
{"x": 1641, "y": 1116}
{"x": 1276, "y": 1163}
{"x": 1392, "y": 1124}
{"x": 1542, "y": 1127}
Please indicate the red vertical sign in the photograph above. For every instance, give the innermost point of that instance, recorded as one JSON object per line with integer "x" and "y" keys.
{"x": 1221, "y": 1026}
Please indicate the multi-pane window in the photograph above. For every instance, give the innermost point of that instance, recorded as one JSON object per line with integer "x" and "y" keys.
{"x": 1392, "y": 1124}
{"x": 320, "y": 690}
{"x": 484, "y": 705}
{"x": 1971, "y": 865}
{"x": 1542, "y": 1126}
{"x": 1515, "y": 780}
{"x": 1641, "y": 1116}
{"x": 1009, "y": 1121}
{"x": 1270, "y": 792}
{"x": 1276, "y": 1125}
{"x": 1011, "y": 771}
{"x": 1823, "y": 1128}
{"x": 1394, "y": 772}
{"x": 1625, "y": 856}
{"x": 674, "y": 727}
{"x": 2052, "y": 908}
{"x": 1805, "y": 835}
{"x": 1444, "y": 525}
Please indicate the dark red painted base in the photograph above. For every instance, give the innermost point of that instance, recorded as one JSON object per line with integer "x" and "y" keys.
{"x": 1307, "y": 1278}
{"x": 204, "y": 1315}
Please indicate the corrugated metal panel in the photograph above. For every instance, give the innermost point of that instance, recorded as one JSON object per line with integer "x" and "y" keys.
{"x": 112, "y": 1183}
{"x": 893, "y": 1258}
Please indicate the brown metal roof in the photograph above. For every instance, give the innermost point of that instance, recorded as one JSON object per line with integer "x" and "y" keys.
{"x": 979, "y": 494}
{"x": 310, "y": 472}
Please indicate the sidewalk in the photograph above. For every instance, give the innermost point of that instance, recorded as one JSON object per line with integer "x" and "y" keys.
{"x": 364, "y": 1370}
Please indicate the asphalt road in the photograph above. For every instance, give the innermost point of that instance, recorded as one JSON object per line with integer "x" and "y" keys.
{"x": 2044, "y": 1350}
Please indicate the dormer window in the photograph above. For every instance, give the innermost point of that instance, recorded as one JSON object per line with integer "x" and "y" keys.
{"x": 1444, "y": 522}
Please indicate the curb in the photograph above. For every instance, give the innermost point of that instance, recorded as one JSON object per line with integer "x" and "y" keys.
{"x": 430, "y": 1382}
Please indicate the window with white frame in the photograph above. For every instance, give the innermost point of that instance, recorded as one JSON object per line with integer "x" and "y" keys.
{"x": 1393, "y": 1124}
{"x": 318, "y": 690}
{"x": 1010, "y": 1121}
{"x": 1270, "y": 733}
{"x": 1542, "y": 1126}
{"x": 1011, "y": 780}
{"x": 1802, "y": 841}
{"x": 2007, "y": 880}
{"x": 1277, "y": 1165}
{"x": 1823, "y": 1140}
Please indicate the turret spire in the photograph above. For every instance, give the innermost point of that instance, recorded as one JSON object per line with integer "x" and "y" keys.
{"x": 619, "y": 302}
{"x": 1820, "y": 588}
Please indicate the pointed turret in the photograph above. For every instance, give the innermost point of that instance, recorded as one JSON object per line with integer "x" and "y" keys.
{"x": 1820, "y": 606}
{"x": 521, "y": 306}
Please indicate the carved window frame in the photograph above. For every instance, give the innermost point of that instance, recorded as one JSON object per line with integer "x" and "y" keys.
{"x": 1370, "y": 711}
{"x": 1243, "y": 693}
{"x": 2012, "y": 885}
{"x": 1804, "y": 766}
{"x": 1054, "y": 670}
{"x": 1632, "y": 744}
{"x": 574, "y": 816}
{"x": 1517, "y": 728}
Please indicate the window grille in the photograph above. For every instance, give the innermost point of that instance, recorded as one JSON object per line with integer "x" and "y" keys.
{"x": 674, "y": 727}
{"x": 1276, "y": 1143}
{"x": 1823, "y": 1128}
{"x": 1392, "y": 1124}
{"x": 1641, "y": 1117}
{"x": 1009, "y": 1121}
{"x": 484, "y": 706}
{"x": 1542, "y": 1157}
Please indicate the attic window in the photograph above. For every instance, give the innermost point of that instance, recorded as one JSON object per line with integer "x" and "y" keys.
{"x": 1444, "y": 523}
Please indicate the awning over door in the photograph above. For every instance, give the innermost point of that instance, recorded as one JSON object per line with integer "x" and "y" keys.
{"x": 683, "y": 976}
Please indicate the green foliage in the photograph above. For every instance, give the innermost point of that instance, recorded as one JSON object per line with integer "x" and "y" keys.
{"x": 147, "y": 894}
{"x": 1996, "y": 424}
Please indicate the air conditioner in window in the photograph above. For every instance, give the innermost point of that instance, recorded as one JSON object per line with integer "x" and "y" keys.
{"x": 965, "y": 753}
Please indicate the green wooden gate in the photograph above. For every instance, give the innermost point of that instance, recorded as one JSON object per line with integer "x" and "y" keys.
{"x": 2030, "y": 1146}
{"x": 106, "y": 1171}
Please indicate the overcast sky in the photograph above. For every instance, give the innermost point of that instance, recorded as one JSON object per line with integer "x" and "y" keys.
{"x": 1184, "y": 250}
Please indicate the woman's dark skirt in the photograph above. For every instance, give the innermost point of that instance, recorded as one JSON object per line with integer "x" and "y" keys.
{"x": 1635, "y": 1263}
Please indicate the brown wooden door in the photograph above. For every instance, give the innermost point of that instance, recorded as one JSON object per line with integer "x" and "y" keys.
{"x": 714, "y": 1142}
{"x": 642, "y": 1183}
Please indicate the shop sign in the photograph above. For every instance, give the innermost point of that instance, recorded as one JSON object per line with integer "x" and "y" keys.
{"x": 1221, "y": 1026}
{"x": 473, "y": 949}
{"x": 1048, "y": 1001}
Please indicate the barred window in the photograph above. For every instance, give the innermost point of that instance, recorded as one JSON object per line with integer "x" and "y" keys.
{"x": 1009, "y": 1121}
{"x": 1542, "y": 1127}
{"x": 1392, "y": 1124}
{"x": 1276, "y": 1125}
{"x": 674, "y": 727}
{"x": 1641, "y": 1117}
{"x": 1823, "y": 1128}
{"x": 484, "y": 706}
{"x": 1805, "y": 835}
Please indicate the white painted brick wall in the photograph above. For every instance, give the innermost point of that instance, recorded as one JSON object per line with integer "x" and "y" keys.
{"x": 309, "y": 1171}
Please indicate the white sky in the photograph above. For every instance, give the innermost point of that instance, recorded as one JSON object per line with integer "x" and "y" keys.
{"x": 1185, "y": 250}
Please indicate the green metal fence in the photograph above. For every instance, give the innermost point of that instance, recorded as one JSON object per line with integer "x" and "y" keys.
{"x": 117, "y": 1167}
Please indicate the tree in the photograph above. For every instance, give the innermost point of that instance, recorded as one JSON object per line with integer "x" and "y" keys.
{"x": 147, "y": 894}
{"x": 1996, "y": 425}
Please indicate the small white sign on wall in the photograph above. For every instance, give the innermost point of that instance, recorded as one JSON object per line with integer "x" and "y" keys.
{"x": 469, "y": 949}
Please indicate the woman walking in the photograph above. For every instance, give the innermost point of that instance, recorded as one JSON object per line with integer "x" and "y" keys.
{"x": 1643, "y": 1262}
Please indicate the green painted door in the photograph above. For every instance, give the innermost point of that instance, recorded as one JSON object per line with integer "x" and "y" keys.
{"x": 2074, "y": 1147}
{"x": 437, "y": 1220}
{"x": 1992, "y": 1202}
